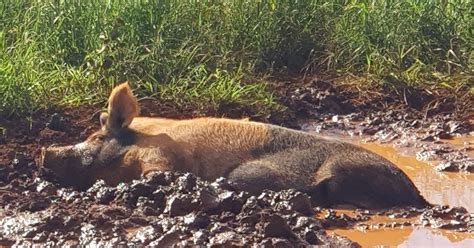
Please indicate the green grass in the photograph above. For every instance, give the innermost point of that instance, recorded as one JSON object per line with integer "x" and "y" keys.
{"x": 208, "y": 53}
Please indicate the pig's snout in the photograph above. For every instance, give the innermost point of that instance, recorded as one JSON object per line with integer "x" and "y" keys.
{"x": 53, "y": 156}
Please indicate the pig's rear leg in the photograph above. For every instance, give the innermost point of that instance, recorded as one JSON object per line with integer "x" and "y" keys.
{"x": 367, "y": 184}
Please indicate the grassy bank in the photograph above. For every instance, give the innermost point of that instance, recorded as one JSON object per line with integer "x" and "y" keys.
{"x": 207, "y": 53}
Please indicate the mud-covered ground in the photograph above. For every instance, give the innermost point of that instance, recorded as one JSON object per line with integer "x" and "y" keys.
{"x": 174, "y": 208}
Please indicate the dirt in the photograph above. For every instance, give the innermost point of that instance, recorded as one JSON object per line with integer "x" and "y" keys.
{"x": 174, "y": 208}
{"x": 166, "y": 209}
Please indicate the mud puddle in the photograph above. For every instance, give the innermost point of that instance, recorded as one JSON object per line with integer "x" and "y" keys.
{"x": 394, "y": 230}
{"x": 444, "y": 188}
{"x": 408, "y": 237}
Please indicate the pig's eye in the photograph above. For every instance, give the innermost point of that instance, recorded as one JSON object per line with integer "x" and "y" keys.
{"x": 100, "y": 137}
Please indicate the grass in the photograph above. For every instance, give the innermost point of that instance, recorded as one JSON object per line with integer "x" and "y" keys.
{"x": 208, "y": 53}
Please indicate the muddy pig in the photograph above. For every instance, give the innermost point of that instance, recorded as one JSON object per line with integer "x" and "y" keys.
{"x": 253, "y": 155}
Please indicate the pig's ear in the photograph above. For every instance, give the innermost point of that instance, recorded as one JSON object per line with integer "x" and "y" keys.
{"x": 123, "y": 107}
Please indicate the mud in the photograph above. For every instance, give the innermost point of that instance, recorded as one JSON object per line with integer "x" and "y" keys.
{"x": 164, "y": 210}
{"x": 173, "y": 208}
{"x": 400, "y": 232}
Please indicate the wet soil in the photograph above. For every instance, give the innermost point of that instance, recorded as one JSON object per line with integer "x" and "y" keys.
{"x": 164, "y": 210}
{"x": 383, "y": 231}
{"x": 174, "y": 208}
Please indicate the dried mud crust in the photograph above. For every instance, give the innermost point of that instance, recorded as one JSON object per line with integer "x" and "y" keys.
{"x": 173, "y": 208}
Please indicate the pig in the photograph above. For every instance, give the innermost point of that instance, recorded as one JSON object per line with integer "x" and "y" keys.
{"x": 253, "y": 155}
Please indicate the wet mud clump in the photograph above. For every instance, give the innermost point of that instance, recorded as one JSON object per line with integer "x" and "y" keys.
{"x": 178, "y": 209}
{"x": 164, "y": 209}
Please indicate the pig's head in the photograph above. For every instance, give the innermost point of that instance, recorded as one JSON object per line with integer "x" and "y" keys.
{"x": 104, "y": 154}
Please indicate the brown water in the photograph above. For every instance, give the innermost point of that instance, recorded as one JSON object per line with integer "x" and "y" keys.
{"x": 454, "y": 189}
{"x": 409, "y": 237}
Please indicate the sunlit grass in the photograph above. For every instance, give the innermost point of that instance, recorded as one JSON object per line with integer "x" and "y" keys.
{"x": 207, "y": 53}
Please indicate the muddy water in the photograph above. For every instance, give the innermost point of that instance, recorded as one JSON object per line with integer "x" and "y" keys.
{"x": 455, "y": 189}
{"x": 403, "y": 236}
{"x": 408, "y": 237}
